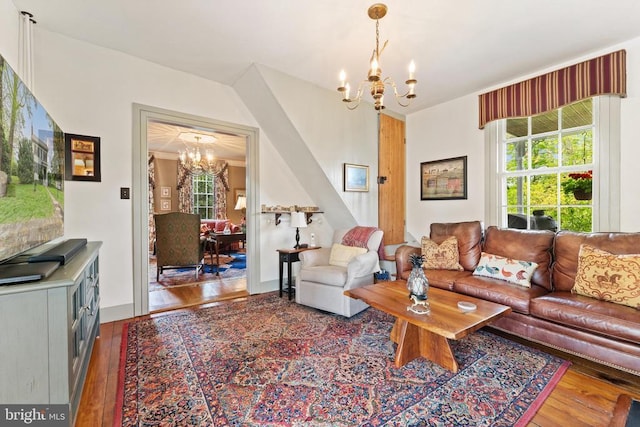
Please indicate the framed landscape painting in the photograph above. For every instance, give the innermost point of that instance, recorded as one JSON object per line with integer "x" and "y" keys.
{"x": 444, "y": 179}
{"x": 356, "y": 177}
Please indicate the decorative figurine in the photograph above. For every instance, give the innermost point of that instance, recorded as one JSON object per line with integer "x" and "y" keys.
{"x": 418, "y": 286}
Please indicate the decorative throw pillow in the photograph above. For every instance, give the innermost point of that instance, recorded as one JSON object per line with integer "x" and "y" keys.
{"x": 341, "y": 255}
{"x": 608, "y": 277}
{"x": 510, "y": 270}
{"x": 220, "y": 225}
{"x": 444, "y": 256}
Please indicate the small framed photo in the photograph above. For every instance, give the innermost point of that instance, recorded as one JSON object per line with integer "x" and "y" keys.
{"x": 82, "y": 158}
{"x": 356, "y": 177}
{"x": 444, "y": 179}
{"x": 165, "y": 191}
{"x": 165, "y": 205}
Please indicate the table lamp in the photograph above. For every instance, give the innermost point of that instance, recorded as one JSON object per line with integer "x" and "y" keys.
{"x": 298, "y": 220}
{"x": 241, "y": 205}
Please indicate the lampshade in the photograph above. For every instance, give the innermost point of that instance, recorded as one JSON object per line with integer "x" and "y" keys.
{"x": 298, "y": 219}
{"x": 241, "y": 203}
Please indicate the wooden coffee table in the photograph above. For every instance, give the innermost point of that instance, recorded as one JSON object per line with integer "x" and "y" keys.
{"x": 427, "y": 335}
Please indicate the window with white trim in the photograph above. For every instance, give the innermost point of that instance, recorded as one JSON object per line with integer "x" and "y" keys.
{"x": 204, "y": 196}
{"x": 546, "y": 167}
{"x": 535, "y": 163}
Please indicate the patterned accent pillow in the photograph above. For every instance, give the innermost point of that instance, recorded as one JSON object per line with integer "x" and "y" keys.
{"x": 441, "y": 257}
{"x": 608, "y": 277}
{"x": 510, "y": 270}
{"x": 341, "y": 255}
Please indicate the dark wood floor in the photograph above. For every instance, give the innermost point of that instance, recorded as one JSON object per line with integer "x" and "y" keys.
{"x": 585, "y": 396}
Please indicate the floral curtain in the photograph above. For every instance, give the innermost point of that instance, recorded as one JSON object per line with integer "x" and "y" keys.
{"x": 152, "y": 185}
{"x": 221, "y": 187}
{"x": 599, "y": 76}
{"x": 185, "y": 190}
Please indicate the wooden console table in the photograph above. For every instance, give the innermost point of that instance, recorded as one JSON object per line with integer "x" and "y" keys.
{"x": 220, "y": 238}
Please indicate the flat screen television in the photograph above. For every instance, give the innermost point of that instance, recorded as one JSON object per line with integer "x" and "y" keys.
{"x": 31, "y": 170}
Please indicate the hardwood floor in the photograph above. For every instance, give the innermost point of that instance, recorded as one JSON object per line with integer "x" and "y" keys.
{"x": 585, "y": 396}
{"x": 198, "y": 293}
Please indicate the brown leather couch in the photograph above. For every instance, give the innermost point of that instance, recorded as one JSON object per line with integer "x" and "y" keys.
{"x": 547, "y": 312}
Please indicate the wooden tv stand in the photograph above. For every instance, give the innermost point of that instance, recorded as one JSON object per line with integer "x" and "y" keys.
{"x": 47, "y": 332}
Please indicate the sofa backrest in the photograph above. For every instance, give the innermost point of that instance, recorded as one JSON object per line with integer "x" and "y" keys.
{"x": 567, "y": 248}
{"x": 216, "y": 225}
{"x": 469, "y": 236}
{"x": 524, "y": 245}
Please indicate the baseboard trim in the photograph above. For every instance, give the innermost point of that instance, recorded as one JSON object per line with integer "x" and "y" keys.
{"x": 116, "y": 312}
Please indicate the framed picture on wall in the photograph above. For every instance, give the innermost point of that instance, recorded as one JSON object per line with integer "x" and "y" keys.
{"x": 444, "y": 179}
{"x": 82, "y": 157}
{"x": 165, "y": 191}
{"x": 165, "y": 204}
{"x": 356, "y": 177}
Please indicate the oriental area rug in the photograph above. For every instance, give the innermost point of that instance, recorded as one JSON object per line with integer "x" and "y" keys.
{"x": 266, "y": 361}
{"x": 232, "y": 266}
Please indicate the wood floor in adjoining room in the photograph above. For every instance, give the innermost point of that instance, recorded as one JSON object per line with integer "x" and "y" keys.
{"x": 175, "y": 297}
{"x": 585, "y": 396}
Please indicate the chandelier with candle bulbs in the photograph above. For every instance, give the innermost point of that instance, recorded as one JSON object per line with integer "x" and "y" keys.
{"x": 198, "y": 157}
{"x": 375, "y": 82}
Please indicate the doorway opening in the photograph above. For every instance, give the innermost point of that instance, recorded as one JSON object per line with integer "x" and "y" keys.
{"x": 156, "y": 146}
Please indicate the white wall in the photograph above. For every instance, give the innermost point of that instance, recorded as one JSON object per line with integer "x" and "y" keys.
{"x": 451, "y": 129}
{"x": 90, "y": 90}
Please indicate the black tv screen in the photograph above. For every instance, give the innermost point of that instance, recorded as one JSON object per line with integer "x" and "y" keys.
{"x": 31, "y": 169}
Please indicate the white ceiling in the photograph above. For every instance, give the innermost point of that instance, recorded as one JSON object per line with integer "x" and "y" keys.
{"x": 459, "y": 46}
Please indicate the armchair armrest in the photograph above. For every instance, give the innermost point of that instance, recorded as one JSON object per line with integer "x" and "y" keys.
{"x": 363, "y": 265}
{"x": 314, "y": 257}
{"x": 235, "y": 228}
{"x": 402, "y": 258}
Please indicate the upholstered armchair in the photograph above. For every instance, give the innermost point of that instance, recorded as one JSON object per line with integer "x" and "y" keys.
{"x": 326, "y": 273}
{"x": 178, "y": 243}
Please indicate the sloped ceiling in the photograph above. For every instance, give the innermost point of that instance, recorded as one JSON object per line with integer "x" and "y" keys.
{"x": 458, "y": 46}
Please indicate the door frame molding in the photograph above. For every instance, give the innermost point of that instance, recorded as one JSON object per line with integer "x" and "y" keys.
{"x": 140, "y": 194}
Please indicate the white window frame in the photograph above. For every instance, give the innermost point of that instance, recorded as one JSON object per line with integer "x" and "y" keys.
{"x": 606, "y": 171}
{"x": 212, "y": 194}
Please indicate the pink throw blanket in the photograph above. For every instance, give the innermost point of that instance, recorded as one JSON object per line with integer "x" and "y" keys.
{"x": 359, "y": 236}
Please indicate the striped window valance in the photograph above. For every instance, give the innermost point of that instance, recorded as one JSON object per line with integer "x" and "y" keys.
{"x": 599, "y": 76}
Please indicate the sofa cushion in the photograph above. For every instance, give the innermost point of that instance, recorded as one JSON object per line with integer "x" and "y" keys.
{"x": 608, "y": 277}
{"x": 469, "y": 236}
{"x": 588, "y": 314}
{"x": 328, "y": 275}
{"x": 341, "y": 255}
{"x": 515, "y": 296}
{"x": 507, "y": 269}
{"x": 527, "y": 245}
{"x": 444, "y": 279}
{"x": 567, "y": 247}
{"x": 443, "y": 256}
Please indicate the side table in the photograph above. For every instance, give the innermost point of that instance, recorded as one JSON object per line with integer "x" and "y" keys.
{"x": 289, "y": 256}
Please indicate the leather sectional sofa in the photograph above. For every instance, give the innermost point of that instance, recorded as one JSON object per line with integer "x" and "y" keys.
{"x": 547, "y": 312}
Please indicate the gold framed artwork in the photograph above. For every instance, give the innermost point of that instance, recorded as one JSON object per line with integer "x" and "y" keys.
{"x": 444, "y": 179}
{"x": 82, "y": 158}
{"x": 356, "y": 177}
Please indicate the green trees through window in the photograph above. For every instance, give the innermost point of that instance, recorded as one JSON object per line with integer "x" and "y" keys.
{"x": 204, "y": 196}
{"x": 547, "y": 169}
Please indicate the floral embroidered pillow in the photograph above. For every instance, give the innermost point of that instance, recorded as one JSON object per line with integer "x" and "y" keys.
{"x": 444, "y": 256}
{"x": 608, "y": 277}
{"x": 502, "y": 268}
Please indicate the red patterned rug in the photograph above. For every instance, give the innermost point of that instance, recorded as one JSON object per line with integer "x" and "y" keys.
{"x": 266, "y": 361}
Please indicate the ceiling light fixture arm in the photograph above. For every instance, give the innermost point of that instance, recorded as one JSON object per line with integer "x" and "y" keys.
{"x": 374, "y": 80}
